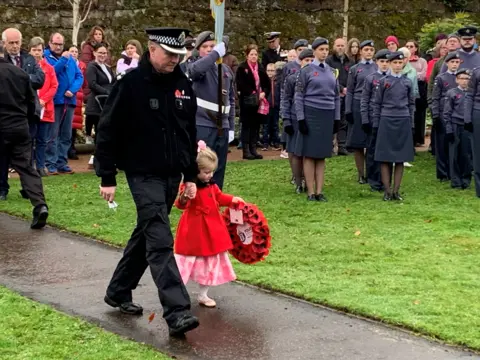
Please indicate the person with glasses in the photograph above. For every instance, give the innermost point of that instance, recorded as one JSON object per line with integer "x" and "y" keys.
{"x": 70, "y": 80}
{"x": 469, "y": 57}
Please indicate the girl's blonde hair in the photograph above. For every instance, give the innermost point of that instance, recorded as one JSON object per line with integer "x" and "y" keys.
{"x": 206, "y": 158}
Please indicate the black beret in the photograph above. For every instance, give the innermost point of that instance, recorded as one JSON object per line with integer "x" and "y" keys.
{"x": 367, "y": 43}
{"x": 451, "y": 56}
{"x": 319, "y": 41}
{"x": 396, "y": 55}
{"x": 382, "y": 54}
{"x": 270, "y": 36}
{"x": 300, "y": 43}
{"x": 306, "y": 53}
{"x": 464, "y": 71}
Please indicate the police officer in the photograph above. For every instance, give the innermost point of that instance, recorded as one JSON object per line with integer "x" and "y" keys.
{"x": 274, "y": 52}
{"x": 204, "y": 74}
{"x": 442, "y": 84}
{"x": 154, "y": 153}
{"x": 469, "y": 57}
{"x": 17, "y": 107}
{"x": 472, "y": 122}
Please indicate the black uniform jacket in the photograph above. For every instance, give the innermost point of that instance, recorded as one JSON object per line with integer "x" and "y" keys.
{"x": 17, "y": 98}
{"x": 148, "y": 126}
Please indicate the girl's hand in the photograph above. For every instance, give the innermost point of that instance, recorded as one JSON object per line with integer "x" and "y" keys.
{"x": 237, "y": 200}
{"x": 262, "y": 96}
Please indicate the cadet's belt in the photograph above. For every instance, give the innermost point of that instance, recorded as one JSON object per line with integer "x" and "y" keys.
{"x": 212, "y": 106}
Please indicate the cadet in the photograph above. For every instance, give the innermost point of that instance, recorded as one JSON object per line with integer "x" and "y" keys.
{"x": 393, "y": 110}
{"x": 204, "y": 73}
{"x": 469, "y": 57}
{"x": 472, "y": 122}
{"x": 443, "y": 83}
{"x": 366, "y": 110}
{"x": 154, "y": 154}
{"x": 317, "y": 103}
{"x": 290, "y": 125}
{"x": 356, "y": 137}
{"x": 459, "y": 140}
{"x": 274, "y": 52}
{"x": 293, "y": 66}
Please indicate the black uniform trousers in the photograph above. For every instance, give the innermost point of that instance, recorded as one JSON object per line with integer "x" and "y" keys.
{"x": 16, "y": 149}
{"x": 421, "y": 106}
{"x": 460, "y": 158}
{"x": 374, "y": 177}
{"x": 219, "y": 144}
{"x": 441, "y": 152}
{"x": 476, "y": 150}
{"x": 343, "y": 126}
{"x": 151, "y": 244}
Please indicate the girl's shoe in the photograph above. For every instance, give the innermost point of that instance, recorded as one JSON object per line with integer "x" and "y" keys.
{"x": 207, "y": 302}
{"x": 90, "y": 162}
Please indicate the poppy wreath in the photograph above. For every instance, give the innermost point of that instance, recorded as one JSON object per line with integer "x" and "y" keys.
{"x": 251, "y": 241}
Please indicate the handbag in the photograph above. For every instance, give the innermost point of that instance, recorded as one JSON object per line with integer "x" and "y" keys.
{"x": 251, "y": 100}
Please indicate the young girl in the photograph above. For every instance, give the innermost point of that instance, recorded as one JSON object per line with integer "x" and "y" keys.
{"x": 202, "y": 240}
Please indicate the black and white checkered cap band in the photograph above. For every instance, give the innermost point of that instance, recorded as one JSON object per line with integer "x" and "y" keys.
{"x": 166, "y": 40}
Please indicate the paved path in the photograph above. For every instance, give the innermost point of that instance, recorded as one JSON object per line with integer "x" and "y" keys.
{"x": 70, "y": 273}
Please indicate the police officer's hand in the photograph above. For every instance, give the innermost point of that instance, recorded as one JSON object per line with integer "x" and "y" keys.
{"x": 289, "y": 130}
{"x": 349, "y": 118}
{"x": 469, "y": 127}
{"x": 220, "y": 49}
{"x": 190, "y": 190}
{"x": 450, "y": 137}
{"x": 108, "y": 192}
{"x": 302, "y": 127}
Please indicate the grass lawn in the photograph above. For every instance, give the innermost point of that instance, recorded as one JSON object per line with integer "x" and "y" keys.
{"x": 29, "y": 330}
{"x": 414, "y": 264}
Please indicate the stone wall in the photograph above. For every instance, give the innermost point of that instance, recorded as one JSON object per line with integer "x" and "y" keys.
{"x": 246, "y": 20}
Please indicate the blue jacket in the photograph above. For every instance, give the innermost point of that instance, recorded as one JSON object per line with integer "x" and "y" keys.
{"x": 472, "y": 97}
{"x": 356, "y": 80}
{"x": 453, "y": 112}
{"x": 287, "y": 106}
{"x": 368, "y": 96}
{"x": 69, "y": 78}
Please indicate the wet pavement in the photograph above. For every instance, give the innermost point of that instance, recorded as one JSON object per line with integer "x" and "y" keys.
{"x": 71, "y": 273}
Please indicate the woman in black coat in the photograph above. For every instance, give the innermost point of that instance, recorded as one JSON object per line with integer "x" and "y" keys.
{"x": 100, "y": 80}
{"x": 253, "y": 86}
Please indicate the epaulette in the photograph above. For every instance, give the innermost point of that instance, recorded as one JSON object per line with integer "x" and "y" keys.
{"x": 121, "y": 75}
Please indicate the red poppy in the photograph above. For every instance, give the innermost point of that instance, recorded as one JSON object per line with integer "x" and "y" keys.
{"x": 315, "y": 73}
{"x": 387, "y": 85}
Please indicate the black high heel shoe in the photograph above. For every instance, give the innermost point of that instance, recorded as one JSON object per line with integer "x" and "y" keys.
{"x": 387, "y": 196}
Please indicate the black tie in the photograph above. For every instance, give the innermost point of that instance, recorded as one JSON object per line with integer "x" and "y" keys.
{"x": 368, "y": 63}
{"x": 322, "y": 66}
{"x": 17, "y": 60}
{"x": 384, "y": 73}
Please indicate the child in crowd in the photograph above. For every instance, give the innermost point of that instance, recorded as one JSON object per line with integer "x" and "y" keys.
{"x": 270, "y": 129}
{"x": 202, "y": 240}
{"x": 457, "y": 137}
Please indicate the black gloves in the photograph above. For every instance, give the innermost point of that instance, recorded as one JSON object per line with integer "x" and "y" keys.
{"x": 302, "y": 127}
{"x": 450, "y": 137}
{"x": 468, "y": 127}
{"x": 367, "y": 128}
{"x": 289, "y": 129}
{"x": 349, "y": 118}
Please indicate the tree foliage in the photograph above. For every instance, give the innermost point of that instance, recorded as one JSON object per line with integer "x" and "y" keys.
{"x": 427, "y": 34}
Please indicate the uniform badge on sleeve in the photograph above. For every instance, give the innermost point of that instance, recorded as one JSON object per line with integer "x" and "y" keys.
{"x": 154, "y": 104}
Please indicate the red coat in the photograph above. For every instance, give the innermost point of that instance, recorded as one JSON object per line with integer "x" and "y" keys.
{"x": 78, "y": 115}
{"x": 202, "y": 230}
{"x": 48, "y": 91}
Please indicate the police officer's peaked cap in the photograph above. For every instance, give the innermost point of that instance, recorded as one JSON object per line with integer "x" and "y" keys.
{"x": 467, "y": 31}
{"x": 319, "y": 41}
{"x": 203, "y": 37}
{"x": 272, "y": 35}
{"x": 300, "y": 43}
{"x": 367, "y": 43}
{"x": 306, "y": 53}
{"x": 463, "y": 71}
{"x": 396, "y": 55}
{"x": 451, "y": 56}
{"x": 171, "y": 39}
{"x": 382, "y": 54}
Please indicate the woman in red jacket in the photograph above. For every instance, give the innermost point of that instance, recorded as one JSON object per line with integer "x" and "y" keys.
{"x": 45, "y": 95}
{"x": 202, "y": 240}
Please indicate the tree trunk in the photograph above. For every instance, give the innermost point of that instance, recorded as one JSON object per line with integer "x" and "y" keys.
{"x": 345, "y": 19}
{"x": 76, "y": 21}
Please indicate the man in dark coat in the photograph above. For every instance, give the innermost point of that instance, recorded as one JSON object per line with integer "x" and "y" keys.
{"x": 274, "y": 52}
{"x": 154, "y": 154}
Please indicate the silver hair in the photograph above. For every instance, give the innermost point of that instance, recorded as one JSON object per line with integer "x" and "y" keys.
{"x": 4, "y": 34}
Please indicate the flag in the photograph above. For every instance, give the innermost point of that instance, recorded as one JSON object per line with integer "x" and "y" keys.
{"x": 218, "y": 13}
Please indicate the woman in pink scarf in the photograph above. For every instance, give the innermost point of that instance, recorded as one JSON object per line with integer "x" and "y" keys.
{"x": 253, "y": 86}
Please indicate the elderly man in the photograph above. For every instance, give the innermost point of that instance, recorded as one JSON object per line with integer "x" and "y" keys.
{"x": 154, "y": 153}
{"x": 12, "y": 39}
{"x": 274, "y": 52}
{"x": 17, "y": 106}
{"x": 70, "y": 80}
{"x": 204, "y": 73}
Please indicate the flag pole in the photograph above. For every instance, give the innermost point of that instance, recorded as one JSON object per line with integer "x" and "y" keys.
{"x": 218, "y": 13}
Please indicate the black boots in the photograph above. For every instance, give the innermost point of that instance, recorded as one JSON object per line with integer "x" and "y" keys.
{"x": 253, "y": 151}
{"x": 247, "y": 155}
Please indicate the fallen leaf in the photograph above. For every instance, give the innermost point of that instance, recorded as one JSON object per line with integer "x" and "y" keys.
{"x": 96, "y": 226}
{"x": 348, "y": 210}
{"x": 151, "y": 317}
{"x": 416, "y": 302}
{"x": 428, "y": 220}
{"x": 357, "y": 233}
{"x": 74, "y": 186}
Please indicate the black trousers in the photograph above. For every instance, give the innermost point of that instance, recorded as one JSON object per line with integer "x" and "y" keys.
{"x": 374, "y": 177}
{"x": 343, "y": 126}
{"x": 460, "y": 158}
{"x": 441, "y": 152}
{"x": 151, "y": 244}
{"x": 250, "y": 133}
{"x": 91, "y": 122}
{"x": 16, "y": 148}
{"x": 419, "y": 120}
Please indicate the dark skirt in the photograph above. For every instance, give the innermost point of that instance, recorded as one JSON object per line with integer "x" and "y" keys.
{"x": 394, "y": 140}
{"x": 290, "y": 139}
{"x": 317, "y": 144}
{"x": 356, "y": 137}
